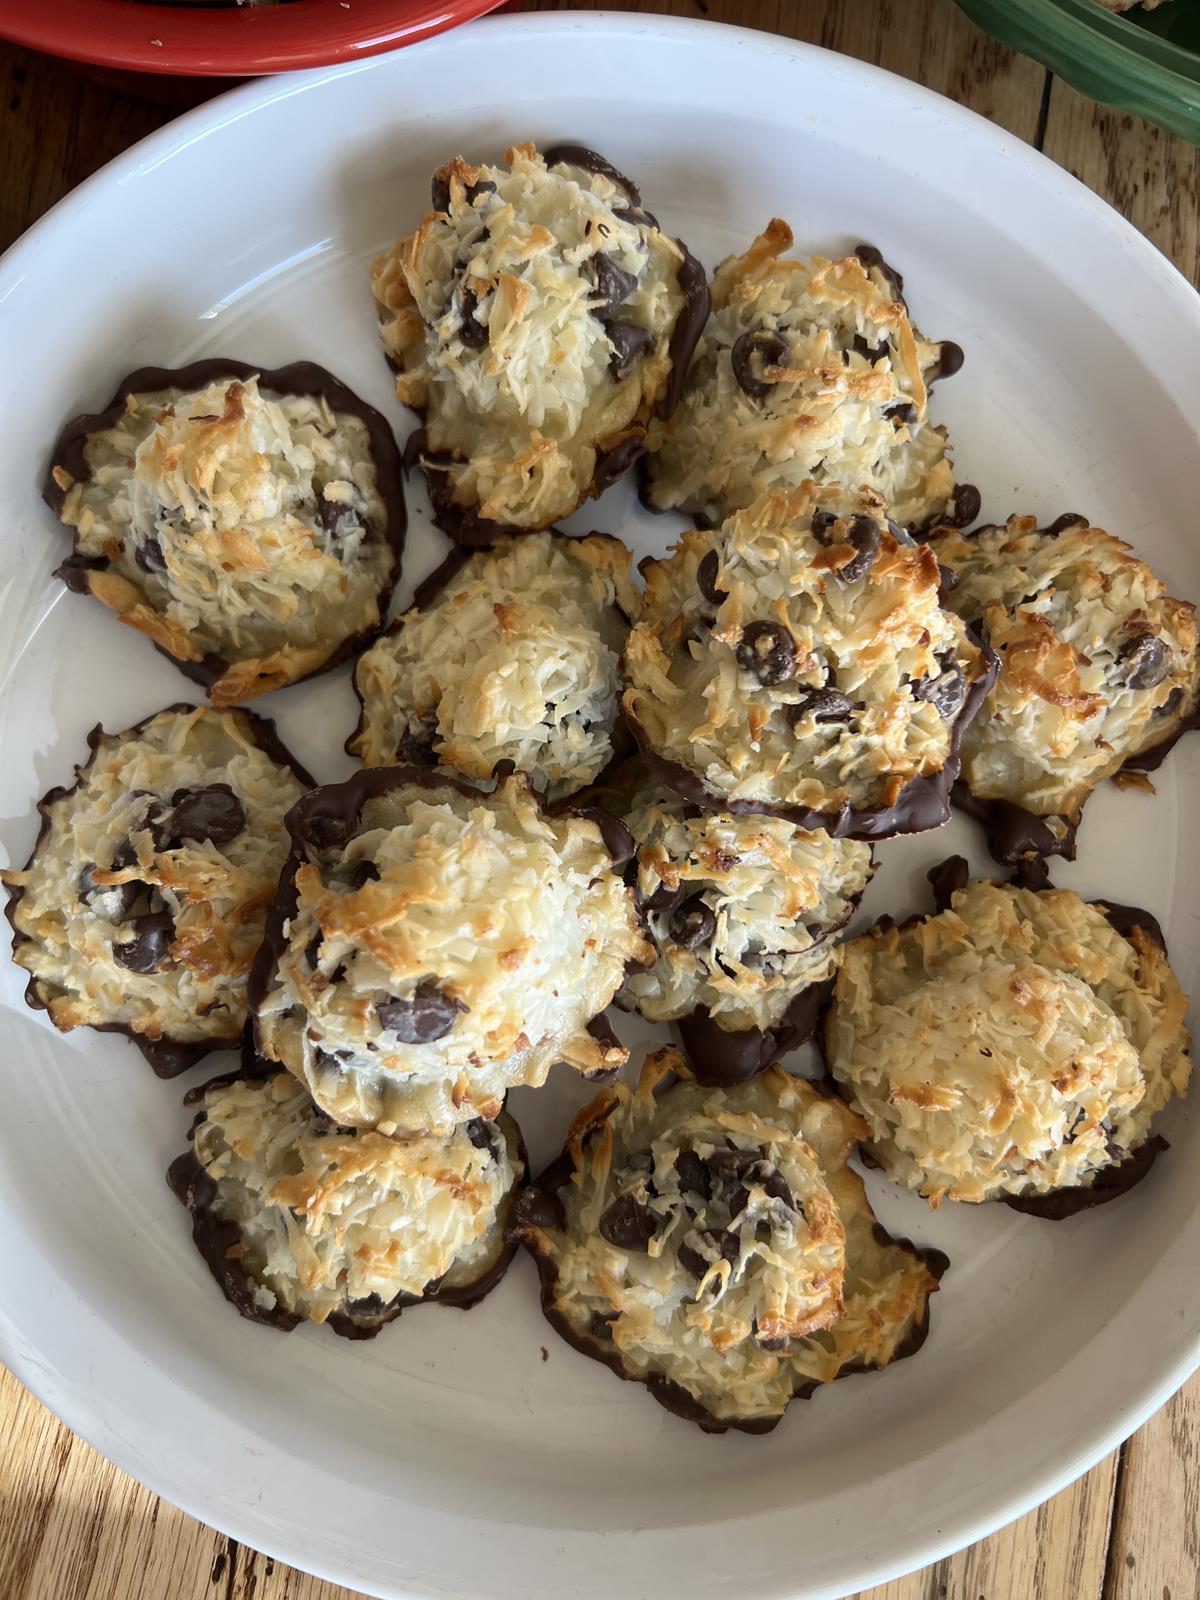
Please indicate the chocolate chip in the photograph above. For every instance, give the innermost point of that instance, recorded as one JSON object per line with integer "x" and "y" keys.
{"x": 771, "y": 352}
{"x": 706, "y": 579}
{"x": 480, "y": 1134}
{"x": 823, "y": 705}
{"x": 600, "y": 1324}
{"x": 362, "y": 872}
{"x": 693, "y": 924}
{"x": 312, "y": 950}
{"x": 768, "y": 651}
{"x": 426, "y": 1015}
{"x": 1069, "y": 519}
{"x": 337, "y": 518}
{"x": 878, "y": 352}
{"x": 630, "y": 342}
{"x": 665, "y": 899}
{"x": 726, "y": 1165}
{"x": 472, "y": 332}
{"x": 415, "y": 747}
{"x": 628, "y": 1224}
{"x": 948, "y": 581}
{"x": 1143, "y": 662}
{"x": 950, "y": 360}
{"x": 870, "y": 258}
{"x": 213, "y": 812}
{"x": 613, "y": 283}
{"x": 439, "y": 191}
{"x": 147, "y": 950}
{"x": 903, "y": 414}
{"x": 149, "y": 555}
{"x": 775, "y": 1185}
{"x": 945, "y": 691}
{"x": 125, "y": 893}
{"x": 724, "y": 1245}
{"x": 1170, "y": 705}
{"x": 863, "y": 534}
{"x": 964, "y": 507}
{"x": 694, "y": 1176}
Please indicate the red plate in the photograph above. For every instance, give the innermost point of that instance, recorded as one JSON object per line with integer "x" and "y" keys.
{"x": 211, "y": 41}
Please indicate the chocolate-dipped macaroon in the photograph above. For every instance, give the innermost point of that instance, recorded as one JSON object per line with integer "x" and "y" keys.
{"x": 432, "y": 945}
{"x": 508, "y": 654}
{"x": 538, "y": 319}
{"x": 798, "y": 661}
{"x": 144, "y": 901}
{"x": 249, "y": 522}
{"x": 713, "y": 1244}
{"x": 302, "y": 1220}
{"x": 744, "y": 913}
{"x": 1099, "y": 672}
{"x": 808, "y": 369}
{"x": 1018, "y": 1045}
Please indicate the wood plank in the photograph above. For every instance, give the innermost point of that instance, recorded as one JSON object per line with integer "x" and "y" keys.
{"x": 1155, "y": 1552}
{"x": 1150, "y": 176}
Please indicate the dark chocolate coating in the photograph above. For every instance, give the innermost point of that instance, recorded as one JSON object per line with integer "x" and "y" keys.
{"x": 463, "y": 523}
{"x": 540, "y": 1207}
{"x": 214, "y": 1237}
{"x": 1012, "y": 833}
{"x": 723, "y": 1056}
{"x": 924, "y": 802}
{"x": 946, "y": 879}
{"x": 168, "y": 1057}
{"x": 298, "y": 378}
{"x": 428, "y": 590}
{"x": 331, "y": 813}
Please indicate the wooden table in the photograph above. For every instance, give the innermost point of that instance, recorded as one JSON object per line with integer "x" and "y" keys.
{"x": 74, "y": 1528}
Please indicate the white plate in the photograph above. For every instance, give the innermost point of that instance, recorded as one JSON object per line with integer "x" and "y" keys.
{"x": 449, "y": 1457}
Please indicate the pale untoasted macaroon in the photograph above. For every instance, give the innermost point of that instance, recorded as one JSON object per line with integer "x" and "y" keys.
{"x": 538, "y": 319}
{"x": 744, "y": 913}
{"x": 143, "y": 904}
{"x": 808, "y": 369}
{"x": 798, "y": 661}
{"x": 1099, "y": 671}
{"x": 713, "y": 1244}
{"x": 507, "y": 654}
{"x": 302, "y": 1220}
{"x": 433, "y": 946}
{"x": 1017, "y": 1045}
{"x": 249, "y": 522}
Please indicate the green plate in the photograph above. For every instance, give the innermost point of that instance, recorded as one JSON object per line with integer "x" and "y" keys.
{"x": 1147, "y": 62}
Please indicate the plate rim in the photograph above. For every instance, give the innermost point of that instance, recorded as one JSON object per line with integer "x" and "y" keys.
{"x": 69, "y": 1401}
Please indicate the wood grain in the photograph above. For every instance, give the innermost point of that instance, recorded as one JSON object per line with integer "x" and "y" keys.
{"x": 74, "y": 1528}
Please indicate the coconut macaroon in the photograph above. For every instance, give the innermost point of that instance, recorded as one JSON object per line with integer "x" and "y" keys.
{"x": 249, "y": 522}
{"x": 301, "y": 1220}
{"x": 432, "y": 946}
{"x": 798, "y": 661}
{"x": 538, "y": 319}
{"x": 1099, "y": 669}
{"x": 144, "y": 901}
{"x": 808, "y": 369}
{"x": 1018, "y": 1044}
{"x": 742, "y": 911}
{"x": 713, "y": 1244}
{"x": 508, "y": 654}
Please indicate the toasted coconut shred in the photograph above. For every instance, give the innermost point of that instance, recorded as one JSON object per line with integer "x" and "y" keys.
{"x": 530, "y": 318}
{"x": 806, "y": 369}
{"x": 457, "y": 945}
{"x": 236, "y": 523}
{"x": 798, "y": 657}
{"x": 1013, "y": 1045}
{"x": 514, "y": 659}
{"x": 333, "y": 1221}
{"x": 715, "y": 1239}
{"x": 741, "y": 909}
{"x": 134, "y": 910}
{"x": 1097, "y": 662}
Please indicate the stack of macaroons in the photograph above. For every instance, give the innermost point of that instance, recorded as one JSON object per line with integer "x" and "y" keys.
{"x": 574, "y": 793}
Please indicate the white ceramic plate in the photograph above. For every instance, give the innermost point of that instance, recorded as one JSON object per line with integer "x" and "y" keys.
{"x": 478, "y": 1455}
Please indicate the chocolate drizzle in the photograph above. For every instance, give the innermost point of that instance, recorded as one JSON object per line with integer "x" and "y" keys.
{"x": 298, "y": 378}
{"x": 540, "y": 1209}
{"x": 923, "y": 803}
{"x": 168, "y": 1057}
{"x": 463, "y": 523}
{"x": 219, "y": 1240}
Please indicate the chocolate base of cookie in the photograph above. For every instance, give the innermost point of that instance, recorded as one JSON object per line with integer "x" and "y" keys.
{"x": 219, "y": 1241}
{"x": 1109, "y": 1183}
{"x": 167, "y": 1057}
{"x": 298, "y": 378}
{"x": 539, "y": 1207}
{"x": 721, "y": 1057}
{"x": 923, "y": 802}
